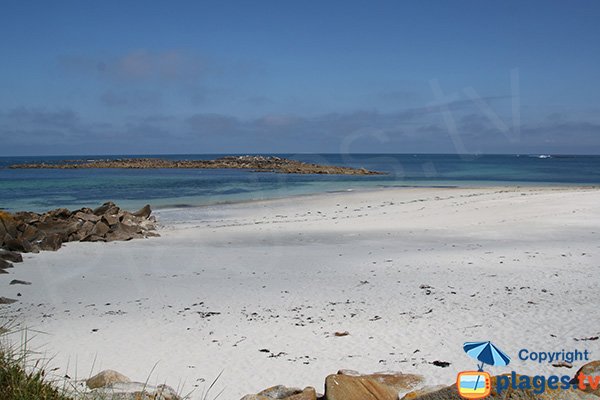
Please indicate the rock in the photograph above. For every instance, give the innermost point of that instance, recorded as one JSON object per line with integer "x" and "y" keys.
{"x": 108, "y": 207}
{"x": 340, "y": 334}
{"x": 5, "y": 300}
{"x": 11, "y": 256}
{"x": 84, "y": 230}
{"x": 106, "y": 378}
{"x": 283, "y": 392}
{"x": 144, "y": 212}
{"x": 59, "y": 213}
{"x": 31, "y": 234}
{"x": 51, "y": 242}
{"x": 589, "y": 369}
{"x": 5, "y": 264}
{"x": 8, "y": 224}
{"x": 379, "y": 386}
{"x": 451, "y": 393}
{"x": 18, "y": 282}
{"x": 100, "y": 229}
{"x": 91, "y": 217}
{"x": 110, "y": 220}
{"x": 133, "y": 391}
{"x": 415, "y": 394}
{"x": 93, "y": 238}
{"x": 20, "y": 245}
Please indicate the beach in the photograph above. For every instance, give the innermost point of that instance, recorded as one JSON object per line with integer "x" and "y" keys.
{"x": 257, "y": 290}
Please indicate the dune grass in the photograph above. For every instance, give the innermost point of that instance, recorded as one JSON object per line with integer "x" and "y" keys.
{"x": 20, "y": 382}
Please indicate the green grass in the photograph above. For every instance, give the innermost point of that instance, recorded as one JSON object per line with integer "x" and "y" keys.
{"x": 20, "y": 382}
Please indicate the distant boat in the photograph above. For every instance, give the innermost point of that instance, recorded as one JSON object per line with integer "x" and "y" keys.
{"x": 544, "y": 156}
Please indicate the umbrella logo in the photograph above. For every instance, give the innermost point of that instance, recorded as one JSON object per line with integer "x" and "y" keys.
{"x": 477, "y": 384}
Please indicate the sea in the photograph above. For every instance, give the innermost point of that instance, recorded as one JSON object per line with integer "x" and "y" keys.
{"x": 43, "y": 189}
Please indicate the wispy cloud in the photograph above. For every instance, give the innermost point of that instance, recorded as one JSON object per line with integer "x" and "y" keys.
{"x": 140, "y": 66}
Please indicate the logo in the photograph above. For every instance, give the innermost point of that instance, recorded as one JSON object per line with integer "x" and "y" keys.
{"x": 478, "y": 384}
{"x": 473, "y": 384}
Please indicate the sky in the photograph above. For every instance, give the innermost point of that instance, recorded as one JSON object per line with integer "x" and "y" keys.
{"x": 189, "y": 77}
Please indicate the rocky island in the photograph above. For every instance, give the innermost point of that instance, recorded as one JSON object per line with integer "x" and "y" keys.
{"x": 254, "y": 163}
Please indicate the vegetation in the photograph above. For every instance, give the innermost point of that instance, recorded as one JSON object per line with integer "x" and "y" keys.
{"x": 21, "y": 382}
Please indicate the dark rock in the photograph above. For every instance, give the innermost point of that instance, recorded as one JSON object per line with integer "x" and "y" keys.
{"x": 51, "y": 242}
{"x": 17, "y": 245}
{"x": 11, "y": 256}
{"x": 107, "y": 207}
{"x": 110, "y": 220}
{"x": 93, "y": 238}
{"x": 5, "y": 300}
{"x": 100, "y": 229}
{"x": 8, "y": 224}
{"x": 18, "y": 282}
{"x": 32, "y": 234}
{"x": 5, "y": 264}
{"x": 59, "y": 213}
{"x": 87, "y": 216}
{"x": 144, "y": 212}
{"x": 27, "y": 217}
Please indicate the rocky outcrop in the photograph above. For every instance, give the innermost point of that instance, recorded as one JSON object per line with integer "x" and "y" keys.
{"x": 254, "y": 163}
{"x": 589, "y": 369}
{"x": 28, "y": 232}
{"x": 350, "y": 385}
{"x": 513, "y": 393}
{"x": 106, "y": 378}
{"x": 284, "y": 393}
{"x": 113, "y": 385}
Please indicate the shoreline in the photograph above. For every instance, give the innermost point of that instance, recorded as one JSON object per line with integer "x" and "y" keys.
{"x": 542, "y": 186}
{"x": 281, "y": 275}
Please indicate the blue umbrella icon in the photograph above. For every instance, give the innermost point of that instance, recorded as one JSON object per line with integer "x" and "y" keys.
{"x": 487, "y": 353}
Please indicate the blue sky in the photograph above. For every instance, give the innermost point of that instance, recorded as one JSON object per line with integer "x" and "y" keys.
{"x": 282, "y": 76}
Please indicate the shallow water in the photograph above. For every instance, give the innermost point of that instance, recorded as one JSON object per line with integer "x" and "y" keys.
{"x": 42, "y": 189}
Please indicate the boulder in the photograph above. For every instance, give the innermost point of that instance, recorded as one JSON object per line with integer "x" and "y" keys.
{"x": 20, "y": 245}
{"x": 106, "y": 378}
{"x": 5, "y": 300}
{"x": 100, "y": 229}
{"x": 143, "y": 212}
{"x": 93, "y": 238}
{"x": 32, "y": 234}
{"x": 283, "y": 392}
{"x": 11, "y": 256}
{"x": 132, "y": 391}
{"x": 110, "y": 220}
{"x": 59, "y": 213}
{"x": 589, "y": 369}
{"x": 8, "y": 224}
{"x": 451, "y": 393}
{"x": 108, "y": 207}
{"x": 51, "y": 242}
{"x": 379, "y": 386}
{"x": 27, "y": 217}
{"x": 5, "y": 264}
{"x": 91, "y": 217}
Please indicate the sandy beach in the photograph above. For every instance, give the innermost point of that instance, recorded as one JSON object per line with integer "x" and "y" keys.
{"x": 257, "y": 290}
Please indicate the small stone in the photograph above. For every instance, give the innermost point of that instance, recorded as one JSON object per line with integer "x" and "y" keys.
{"x": 19, "y": 282}
{"x": 106, "y": 378}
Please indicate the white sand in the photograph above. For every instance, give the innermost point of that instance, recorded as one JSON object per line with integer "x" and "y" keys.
{"x": 520, "y": 267}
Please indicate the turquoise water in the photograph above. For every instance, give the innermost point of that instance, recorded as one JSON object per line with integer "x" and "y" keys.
{"x": 40, "y": 189}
